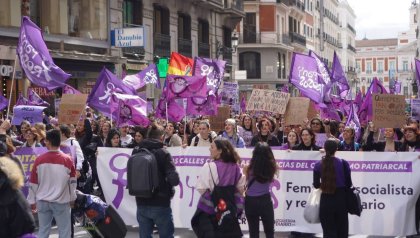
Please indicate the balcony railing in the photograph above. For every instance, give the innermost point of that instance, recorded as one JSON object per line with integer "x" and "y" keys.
{"x": 297, "y": 38}
{"x": 350, "y": 47}
{"x": 251, "y": 37}
{"x": 185, "y": 47}
{"x": 203, "y": 49}
{"x": 295, "y": 3}
{"x": 137, "y": 51}
{"x": 351, "y": 28}
{"x": 162, "y": 45}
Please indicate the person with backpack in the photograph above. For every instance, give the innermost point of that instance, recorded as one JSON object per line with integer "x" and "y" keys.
{"x": 221, "y": 185}
{"x": 333, "y": 176}
{"x": 260, "y": 173}
{"x": 205, "y": 137}
{"x": 154, "y": 204}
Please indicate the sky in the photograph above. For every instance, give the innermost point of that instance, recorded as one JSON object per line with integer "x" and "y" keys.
{"x": 380, "y": 19}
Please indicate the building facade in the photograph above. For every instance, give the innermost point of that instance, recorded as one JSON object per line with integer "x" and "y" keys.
{"x": 77, "y": 33}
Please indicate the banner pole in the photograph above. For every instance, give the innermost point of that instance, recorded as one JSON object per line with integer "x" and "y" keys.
{"x": 167, "y": 117}
{"x": 11, "y": 87}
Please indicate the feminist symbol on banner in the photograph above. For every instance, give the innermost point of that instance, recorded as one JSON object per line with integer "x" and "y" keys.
{"x": 119, "y": 181}
{"x": 126, "y": 113}
{"x": 110, "y": 87}
{"x": 179, "y": 86}
{"x": 275, "y": 184}
{"x": 150, "y": 77}
{"x": 199, "y": 102}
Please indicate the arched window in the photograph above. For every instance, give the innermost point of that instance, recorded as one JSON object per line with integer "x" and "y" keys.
{"x": 251, "y": 62}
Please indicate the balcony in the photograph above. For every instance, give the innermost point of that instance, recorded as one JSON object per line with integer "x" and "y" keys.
{"x": 351, "y": 28}
{"x": 185, "y": 47}
{"x": 297, "y": 38}
{"x": 133, "y": 51}
{"x": 203, "y": 49}
{"x": 300, "y": 5}
{"x": 350, "y": 47}
{"x": 162, "y": 45}
{"x": 251, "y": 37}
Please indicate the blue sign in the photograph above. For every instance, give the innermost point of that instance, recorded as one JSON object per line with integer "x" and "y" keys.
{"x": 128, "y": 37}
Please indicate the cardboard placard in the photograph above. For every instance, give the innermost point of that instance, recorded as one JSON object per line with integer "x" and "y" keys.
{"x": 268, "y": 101}
{"x": 415, "y": 108}
{"x": 297, "y": 110}
{"x": 217, "y": 123}
{"x": 388, "y": 110}
{"x": 72, "y": 107}
{"x": 312, "y": 112}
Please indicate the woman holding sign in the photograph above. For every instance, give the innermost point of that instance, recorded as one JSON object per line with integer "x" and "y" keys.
{"x": 389, "y": 145}
{"x": 333, "y": 176}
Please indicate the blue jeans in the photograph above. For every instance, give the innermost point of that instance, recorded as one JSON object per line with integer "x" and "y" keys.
{"x": 61, "y": 213}
{"x": 147, "y": 216}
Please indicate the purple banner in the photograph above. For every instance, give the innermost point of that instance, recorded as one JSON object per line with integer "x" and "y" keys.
{"x": 35, "y": 99}
{"x": 33, "y": 114}
{"x": 202, "y": 106}
{"x": 132, "y": 110}
{"x": 35, "y": 59}
{"x": 213, "y": 69}
{"x": 185, "y": 86}
{"x": 67, "y": 89}
{"x": 146, "y": 76}
{"x": 339, "y": 77}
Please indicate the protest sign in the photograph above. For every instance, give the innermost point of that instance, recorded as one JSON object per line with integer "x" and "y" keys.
{"x": 230, "y": 95}
{"x": 268, "y": 100}
{"x": 415, "y": 108}
{"x": 388, "y": 110}
{"x": 297, "y": 110}
{"x": 72, "y": 107}
{"x": 217, "y": 122}
{"x": 32, "y": 114}
{"x": 388, "y": 183}
{"x": 312, "y": 111}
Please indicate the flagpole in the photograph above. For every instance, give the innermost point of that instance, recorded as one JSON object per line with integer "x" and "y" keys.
{"x": 167, "y": 118}
{"x": 11, "y": 87}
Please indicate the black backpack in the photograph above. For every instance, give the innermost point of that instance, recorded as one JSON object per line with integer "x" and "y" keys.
{"x": 196, "y": 139}
{"x": 142, "y": 174}
{"x": 226, "y": 219}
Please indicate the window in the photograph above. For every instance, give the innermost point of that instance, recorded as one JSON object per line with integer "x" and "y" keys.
{"x": 203, "y": 31}
{"x": 227, "y": 37}
{"x": 380, "y": 67}
{"x": 368, "y": 67}
{"x": 358, "y": 66}
{"x": 250, "y": 61}
{"x": 161, "y": 20}
{"x": 133, "y": 12}
{"x": 184, "y": 27}
{"x": 392, "y": 65}
{"x": 405, "y": 65}
{"x": 369, "y": 80}
{"x": 87, "y": 19}
{"x": 250, "y": 28}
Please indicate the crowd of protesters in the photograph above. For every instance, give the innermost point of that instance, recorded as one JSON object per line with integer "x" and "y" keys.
{"x": 264, "y": 132}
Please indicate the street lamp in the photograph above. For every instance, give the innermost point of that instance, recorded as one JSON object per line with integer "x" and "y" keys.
{"x": 221, "y": 48}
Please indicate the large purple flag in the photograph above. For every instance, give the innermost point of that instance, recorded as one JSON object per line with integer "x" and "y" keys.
{"x": 330, "y": 112}
{"x": 243, "y": 104}
{"x": 304, "y": 75}
{"x": 35, "y": 99}
{"x": 353, "y": 121}
{"x": 21, "y": 100}
{"x": 132, "y": 110}
{"x": 186, "y": 86}
{"x": 175, "y": 111}
{"x": 365, "y": 110}
{"x": 33, "y": 114}
{"x": 397, "y": 87}
{"x": 35, "y": 59}
{"x": 324, "y": 76}
{"x": 418, "y": 76}
{"x": 67, "y": 89}
{"x": 146, "y": 76}
{"x": 101, "y": 96}
{"x": 213, "y": 69}
{"x": 4, "y": 102}
{"x": 339, "y": 77}
{"x": 202, "y": 106}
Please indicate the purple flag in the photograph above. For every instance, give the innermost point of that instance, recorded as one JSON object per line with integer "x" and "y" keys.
{"x": 132, "y": 110}
{"x": 418, "y": 76}
{"x": 339, "y": 77}
{"x": 365, "y": 110}
{"x": 213, "y": 69}
{"x": 304, "y": 75}
{"x": 21, "y": 100}
{"x": 67, "y": 89}
{"x": 202, "y": 106}
{"x": 324, "y": 76}
{"x": 285, "y": 89}
{"x": 33, "y": 114}
{"x": 35, "y": 99}
{"x": 330, "y": 112}
{"x": 4, "y": 102}
{"x": 243, "y": 104}
{"x": 101, "y": 96}
{"x": 397, "y": 87}
{"x": 35, "y": 59}
{"x": 146, "y": 76}
{"x": 185, "y": 86}
{"x": 175, "y": 111}
{"x": 353, "y": 121}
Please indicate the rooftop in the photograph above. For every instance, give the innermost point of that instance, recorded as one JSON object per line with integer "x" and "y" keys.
{"x": 377, "y": 42}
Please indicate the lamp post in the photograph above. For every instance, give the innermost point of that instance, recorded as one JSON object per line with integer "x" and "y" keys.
{"x": 220, "y": 48}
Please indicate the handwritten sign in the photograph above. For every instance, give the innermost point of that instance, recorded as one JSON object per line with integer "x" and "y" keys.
{"x": 415, "y": 108}
{"x": 268, "y": 100}
{"x": 388, "y": 110}
{"x": 32, "y": 114}
{"x": 72, "y": 107}
{"x": 297, "y": 110}
{"x": 217, "y": 122}
{"x": 312, "y": 111}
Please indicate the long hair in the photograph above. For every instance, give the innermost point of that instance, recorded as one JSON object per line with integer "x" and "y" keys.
{"x": 252, "y": 123}
{"x": 311, "y": 132}
{"x": 263, "y": 165}
{"x": 321, "y": 124}
{"x": 297, "y": 137}
{"x": 328, "y": 178}
{"x": 229, "y": 154}
{"x": 110, "y": 135}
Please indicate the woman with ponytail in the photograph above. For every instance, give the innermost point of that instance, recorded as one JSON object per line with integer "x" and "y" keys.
{"x": 333, "y": 176}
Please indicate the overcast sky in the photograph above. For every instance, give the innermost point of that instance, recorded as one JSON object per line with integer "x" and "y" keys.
{"x": 380, "y": 18}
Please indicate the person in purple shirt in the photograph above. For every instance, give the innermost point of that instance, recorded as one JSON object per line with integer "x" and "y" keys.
{"x": 333, "y": 176}
{"x": 260, "y": 173}
{"x": 292, "y": 140}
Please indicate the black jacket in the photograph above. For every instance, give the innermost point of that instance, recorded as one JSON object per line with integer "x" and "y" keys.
{"x": 168, "y": 176}
{"x": 380, "y": 145}
{"x": 269, "y": 139}
{"x": 302, "y": 146}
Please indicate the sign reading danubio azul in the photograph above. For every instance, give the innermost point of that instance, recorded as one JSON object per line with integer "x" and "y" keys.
{"x": 129, "y": 37}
